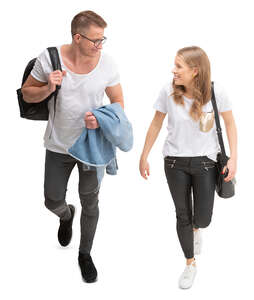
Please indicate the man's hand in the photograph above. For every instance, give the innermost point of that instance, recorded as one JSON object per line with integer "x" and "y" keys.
{"x": 90, "y": 121}
{"x": 55, "y": 78}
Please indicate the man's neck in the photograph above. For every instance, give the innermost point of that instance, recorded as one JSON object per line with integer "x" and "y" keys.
{"x": 79, "y": 58}
{"x": 76, "y": 61}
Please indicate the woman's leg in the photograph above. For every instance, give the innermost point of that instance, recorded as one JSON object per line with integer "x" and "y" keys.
{"x": 203, "y": 193}
{"x": 179, "y": 182}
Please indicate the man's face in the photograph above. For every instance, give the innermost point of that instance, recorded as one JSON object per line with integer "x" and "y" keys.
{"x": 87, "y": 47}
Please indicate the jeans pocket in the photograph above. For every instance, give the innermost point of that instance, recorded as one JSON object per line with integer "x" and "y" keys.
{"x": 169, "y": 162}
{"x": 206, "y": 165}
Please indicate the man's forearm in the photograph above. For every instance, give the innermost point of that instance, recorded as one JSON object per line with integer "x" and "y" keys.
{"x": 34, "y": 94}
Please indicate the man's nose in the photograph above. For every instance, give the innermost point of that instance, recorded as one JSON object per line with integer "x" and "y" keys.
{"x": 100, "y": 46}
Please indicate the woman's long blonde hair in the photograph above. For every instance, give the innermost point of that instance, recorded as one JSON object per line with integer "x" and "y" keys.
{"x": 195, "y": 57}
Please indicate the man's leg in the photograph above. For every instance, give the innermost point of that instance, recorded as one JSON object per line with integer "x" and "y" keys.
{"x": 88, "y": 193}
{"x": 58, "y": 168}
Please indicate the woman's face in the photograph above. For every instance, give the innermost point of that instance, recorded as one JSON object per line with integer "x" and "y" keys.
{"x": 183, "y": 74}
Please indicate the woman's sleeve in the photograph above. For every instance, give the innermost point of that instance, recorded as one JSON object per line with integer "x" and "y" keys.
{"x": 161, "y": 102}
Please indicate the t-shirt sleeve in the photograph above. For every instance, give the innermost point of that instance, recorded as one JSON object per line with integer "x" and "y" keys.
{"x": 222, "y": 100}
{"x": 161, "y": 102}
{"x": 114, "y": 76}
{"x": 39, "y": 70}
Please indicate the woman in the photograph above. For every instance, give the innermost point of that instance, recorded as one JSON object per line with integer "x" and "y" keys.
{"x": 191, "y": 148}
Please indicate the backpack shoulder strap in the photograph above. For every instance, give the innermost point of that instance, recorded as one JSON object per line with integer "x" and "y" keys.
{"x": 56, "y": 65}
{"x": 55, "y": 59}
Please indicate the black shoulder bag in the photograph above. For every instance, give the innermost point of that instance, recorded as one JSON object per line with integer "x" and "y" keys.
{"x": 39, "y": 111}
{"x": 224, "y": 189}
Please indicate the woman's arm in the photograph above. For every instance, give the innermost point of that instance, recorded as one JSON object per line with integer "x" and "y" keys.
{"x": 151, "y": 137}
{"x": 232, "y": 140}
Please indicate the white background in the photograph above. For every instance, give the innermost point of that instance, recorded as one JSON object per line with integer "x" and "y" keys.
{"x": 136, "y": 249}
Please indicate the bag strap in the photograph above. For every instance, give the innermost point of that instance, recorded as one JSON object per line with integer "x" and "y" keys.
{"x": 217, "y": 121}
{"x": 55, "y": 59}
{"x": 56, "y": 65}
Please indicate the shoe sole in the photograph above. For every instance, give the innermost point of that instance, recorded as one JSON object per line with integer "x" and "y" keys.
{"x": 186, "y": 288}
{"x": 90, "y": 280}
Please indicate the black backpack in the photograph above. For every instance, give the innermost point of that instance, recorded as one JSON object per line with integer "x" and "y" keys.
{"x": 39, "y": 111}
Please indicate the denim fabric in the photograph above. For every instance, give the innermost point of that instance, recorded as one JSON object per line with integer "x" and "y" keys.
{"x": 187, "y": 176}
{"x": 97, "y": 147}
{"x": 58, "y": 168}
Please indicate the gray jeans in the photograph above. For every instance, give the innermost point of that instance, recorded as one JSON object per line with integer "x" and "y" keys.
{"x": 58, "y": 168}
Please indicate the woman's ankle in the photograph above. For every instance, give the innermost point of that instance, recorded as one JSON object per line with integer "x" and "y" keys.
{"x": 190, "y": 261}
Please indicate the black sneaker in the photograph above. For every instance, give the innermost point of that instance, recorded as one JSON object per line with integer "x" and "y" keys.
{"x": 65, "y": 229}
{"x": 87, "y": 267}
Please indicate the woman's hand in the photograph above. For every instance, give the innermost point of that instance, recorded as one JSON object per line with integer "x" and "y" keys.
{"x": 151, "y": 136}
{"x": 232, "y": 140}
{"x": 91, "y": 121}
{"x": 231, "y": 166}
{"x": 144, "y": 168}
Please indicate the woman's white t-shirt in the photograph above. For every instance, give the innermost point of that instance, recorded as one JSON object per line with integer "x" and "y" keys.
{"x": 79, "y": 93}
{"x": 184, "y": 135}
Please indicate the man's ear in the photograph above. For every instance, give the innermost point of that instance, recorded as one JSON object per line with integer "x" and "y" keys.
{"x": 76, "y": 38}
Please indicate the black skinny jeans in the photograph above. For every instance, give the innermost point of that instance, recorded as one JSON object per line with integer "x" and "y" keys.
{"x": 184, "y": 175}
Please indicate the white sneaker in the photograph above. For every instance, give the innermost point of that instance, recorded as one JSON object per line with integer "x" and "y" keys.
{"x": 187, "y": 277}
{"x": 197, "y": 241}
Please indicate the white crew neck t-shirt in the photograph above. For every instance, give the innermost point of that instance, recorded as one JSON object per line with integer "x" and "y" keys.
{"x": 184, "y": 135}
{"x": 79, "y": 94}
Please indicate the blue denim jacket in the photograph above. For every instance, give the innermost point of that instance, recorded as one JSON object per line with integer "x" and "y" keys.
{"x": 97, "y": 147}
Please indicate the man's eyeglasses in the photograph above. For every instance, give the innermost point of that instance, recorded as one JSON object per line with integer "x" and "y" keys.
{"x": 97, "y": 43}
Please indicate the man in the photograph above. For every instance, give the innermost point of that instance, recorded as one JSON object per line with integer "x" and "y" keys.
{"x": 87, "y": 74}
